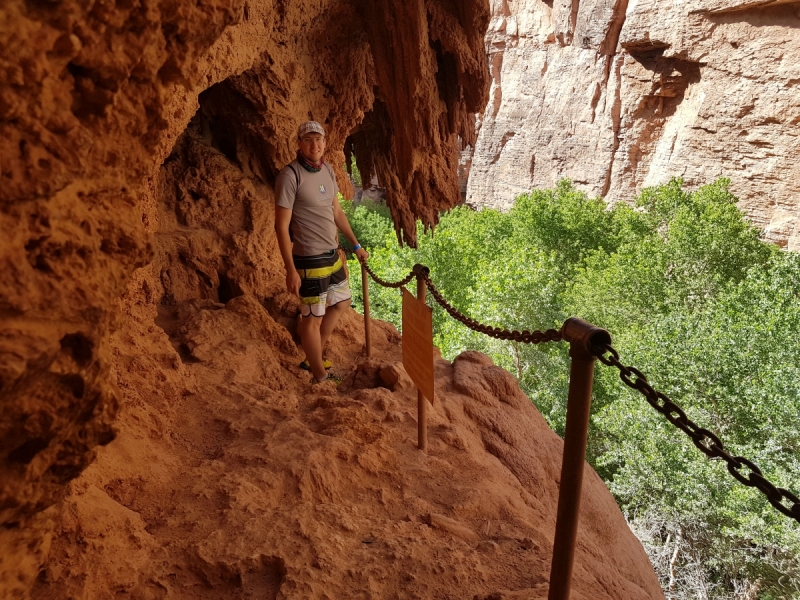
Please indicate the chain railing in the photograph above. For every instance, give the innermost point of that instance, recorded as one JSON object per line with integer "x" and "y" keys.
{"x": 588, "y": 343}
{"x": 526, "y": 337}
{"x": 365, "y": 270}
{"x": 389, "y": 284}
{"x": 706, "y": 441}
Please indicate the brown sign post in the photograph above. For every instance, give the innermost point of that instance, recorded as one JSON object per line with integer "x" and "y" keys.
{"x": 365, "y": 296}
{"x": 418, "y": 354}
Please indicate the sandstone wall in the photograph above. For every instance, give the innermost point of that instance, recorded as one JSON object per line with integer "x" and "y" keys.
{"x": 621, "y": 94}
{"x": 233, "y": 477}
{"x": 93, "y": 97}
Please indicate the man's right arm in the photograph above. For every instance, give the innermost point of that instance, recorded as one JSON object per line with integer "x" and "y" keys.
{"x": 283, "y": 216}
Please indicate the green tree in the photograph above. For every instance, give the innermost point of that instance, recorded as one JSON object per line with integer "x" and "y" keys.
{"x": 696, "y": 300}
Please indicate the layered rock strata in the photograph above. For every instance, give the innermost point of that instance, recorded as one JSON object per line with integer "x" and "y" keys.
{"x": 623, "y": 94}
{"x": 93, "y": 97}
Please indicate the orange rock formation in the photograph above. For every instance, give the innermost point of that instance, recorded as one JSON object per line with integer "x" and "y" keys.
{"x": 141, "y": 300}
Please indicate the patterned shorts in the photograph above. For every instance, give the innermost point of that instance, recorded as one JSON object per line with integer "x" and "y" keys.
{"x": 323, "y": 282}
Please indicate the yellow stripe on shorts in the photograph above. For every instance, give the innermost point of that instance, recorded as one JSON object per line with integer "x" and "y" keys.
{"x": 321, "y": 272}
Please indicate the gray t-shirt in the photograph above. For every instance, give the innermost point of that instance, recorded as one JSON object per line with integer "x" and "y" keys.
{"x": 312, "y": 228}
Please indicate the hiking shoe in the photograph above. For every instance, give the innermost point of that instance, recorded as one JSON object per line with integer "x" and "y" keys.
{"x": 325, "y": 363}
{"x": 332, "y": 378}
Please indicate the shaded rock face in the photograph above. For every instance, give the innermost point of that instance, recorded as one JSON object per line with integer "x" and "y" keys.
{"x": 232, "y": 477}
{"x": 622, "y": 94}
{"x": 94, "y": 99}
{"x": 158, "y": 438}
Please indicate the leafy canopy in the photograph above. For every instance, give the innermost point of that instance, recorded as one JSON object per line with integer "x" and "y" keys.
{"x": 694, "y": 298}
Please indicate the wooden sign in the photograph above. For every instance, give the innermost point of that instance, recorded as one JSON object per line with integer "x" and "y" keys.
{"x": 418, "y": 343}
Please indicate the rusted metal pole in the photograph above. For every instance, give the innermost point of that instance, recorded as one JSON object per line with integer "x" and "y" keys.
{"x": 581, "y": 336}
{"x": 422, "y": 403}
{"x": 365, "y": 295}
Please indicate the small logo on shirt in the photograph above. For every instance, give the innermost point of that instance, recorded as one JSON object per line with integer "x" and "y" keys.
{"x": 322, "y": 189}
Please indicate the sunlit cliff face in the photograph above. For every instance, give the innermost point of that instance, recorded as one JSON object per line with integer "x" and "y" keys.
{"x": 617, "y": 96}
{"x": 92, "y": 101}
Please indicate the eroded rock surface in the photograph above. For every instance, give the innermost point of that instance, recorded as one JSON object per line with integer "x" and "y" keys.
{"x": 233, "y": 477}
{"x": 93, "y": 98}
{"x": 622, "y": 94}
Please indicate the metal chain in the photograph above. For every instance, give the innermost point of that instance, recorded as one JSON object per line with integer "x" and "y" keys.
{"x": 389, "y": 284}
{"x": 378, "y": 280}
{"x": 526, "y": 337}
{"x": 707, "y": 442}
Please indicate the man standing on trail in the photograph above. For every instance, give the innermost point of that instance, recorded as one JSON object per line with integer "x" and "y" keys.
{"x": 307, "y": 216}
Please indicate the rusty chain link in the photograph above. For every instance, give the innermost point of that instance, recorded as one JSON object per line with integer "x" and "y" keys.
{"x": 378, "y": 280}
{"x": 708, "y": 443}
{"x": 389, "y": 284}
{"x": 526, "y": 337}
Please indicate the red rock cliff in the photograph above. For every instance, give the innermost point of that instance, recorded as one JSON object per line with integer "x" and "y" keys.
{"x": 93, "y": 98}
{"x": 142, "y": 300}
{"x": 232, "y": 476}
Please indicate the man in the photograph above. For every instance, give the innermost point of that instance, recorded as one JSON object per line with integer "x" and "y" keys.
{"x": 307, "y": 216}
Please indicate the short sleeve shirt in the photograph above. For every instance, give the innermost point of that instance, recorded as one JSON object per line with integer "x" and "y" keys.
{"x": 310, "y": 197}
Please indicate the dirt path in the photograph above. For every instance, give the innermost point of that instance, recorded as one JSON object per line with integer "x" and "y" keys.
{"x": 233, "y": 477}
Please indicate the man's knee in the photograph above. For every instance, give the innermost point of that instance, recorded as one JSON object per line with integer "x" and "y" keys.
{"x": 337, "y": 308}
{"x": 334, "y": 313}
{"x": 309, "y": 323}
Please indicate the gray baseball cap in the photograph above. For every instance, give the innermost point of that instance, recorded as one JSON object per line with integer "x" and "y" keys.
{"x": 310, "y": 127}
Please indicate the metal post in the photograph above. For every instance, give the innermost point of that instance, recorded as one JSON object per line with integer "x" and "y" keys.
{"x": 365, "y": 295}
{"x": 581, "y": 336}
{"x": 422, "y": 403}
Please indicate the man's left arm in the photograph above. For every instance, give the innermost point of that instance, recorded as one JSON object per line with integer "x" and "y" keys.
{"x": 344, "y": 226}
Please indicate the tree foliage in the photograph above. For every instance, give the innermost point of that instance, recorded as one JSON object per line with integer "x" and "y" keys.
{"x": 693, "y": 298}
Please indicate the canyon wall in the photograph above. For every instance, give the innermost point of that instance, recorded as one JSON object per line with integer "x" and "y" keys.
{"x": 233, "y": 477}
{"x": 158, "y": 438}
{"x": 622, "y": 94}
{"x": 94, "y": 96}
